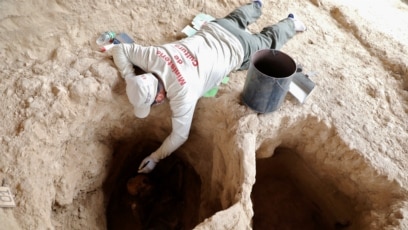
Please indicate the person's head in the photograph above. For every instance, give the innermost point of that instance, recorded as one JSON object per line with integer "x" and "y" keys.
{"x": 144, "y": 91}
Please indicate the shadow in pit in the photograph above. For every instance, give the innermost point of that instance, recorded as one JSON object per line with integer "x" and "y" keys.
{"x": 288, "y": 195}
{"x": 166, "y": 198}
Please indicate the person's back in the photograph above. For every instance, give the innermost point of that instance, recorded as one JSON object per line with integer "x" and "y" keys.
{"x": 197, "y": 63}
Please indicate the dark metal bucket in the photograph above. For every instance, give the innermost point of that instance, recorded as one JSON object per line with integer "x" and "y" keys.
{"x": 268, "y": 78}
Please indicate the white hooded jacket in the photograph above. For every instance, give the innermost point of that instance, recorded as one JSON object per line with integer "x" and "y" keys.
{"x": 188, "y": 69}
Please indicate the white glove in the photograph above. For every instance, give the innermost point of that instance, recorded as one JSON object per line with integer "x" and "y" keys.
{"x": 147, "y": 165}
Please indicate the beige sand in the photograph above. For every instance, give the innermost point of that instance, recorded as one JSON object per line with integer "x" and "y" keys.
{"x": 64, "y": 109}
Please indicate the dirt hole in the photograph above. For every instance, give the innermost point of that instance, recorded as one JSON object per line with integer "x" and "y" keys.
{"x": 288, "y": 195}
{"x": 166, "y": 198}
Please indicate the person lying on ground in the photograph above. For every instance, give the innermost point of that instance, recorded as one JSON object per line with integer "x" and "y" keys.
{"x": 183, "y": 71}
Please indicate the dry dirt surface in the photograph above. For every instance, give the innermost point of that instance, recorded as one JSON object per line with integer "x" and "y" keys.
{"x": 337, "y": 161}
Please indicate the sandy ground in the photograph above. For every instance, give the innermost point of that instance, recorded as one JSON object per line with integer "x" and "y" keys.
{"x": 64, "y": 110}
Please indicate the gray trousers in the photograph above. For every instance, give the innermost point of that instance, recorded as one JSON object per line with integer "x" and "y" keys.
{"x": 271, "y": 37}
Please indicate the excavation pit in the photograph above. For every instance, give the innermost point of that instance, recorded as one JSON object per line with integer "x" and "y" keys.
{"x": 292, "y": 192}
{"x": 325, "y": 186}
{"x": 166, "y": 198}
{"x": 288, "y": 195}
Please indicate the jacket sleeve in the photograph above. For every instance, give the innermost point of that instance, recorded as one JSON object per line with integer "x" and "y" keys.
{"x": 181, "y": 124}
{"x": 122, "y": 60}
{"x": 126, "y": 56}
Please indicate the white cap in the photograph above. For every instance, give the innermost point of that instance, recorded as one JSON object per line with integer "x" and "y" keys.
{"x": 141, "y": 91}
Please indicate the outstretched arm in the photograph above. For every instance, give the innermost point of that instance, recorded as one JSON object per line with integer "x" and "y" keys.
{"x": 181, "y": 124}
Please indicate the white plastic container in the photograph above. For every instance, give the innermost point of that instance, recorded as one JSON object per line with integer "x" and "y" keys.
{"x": 105, "y": 38}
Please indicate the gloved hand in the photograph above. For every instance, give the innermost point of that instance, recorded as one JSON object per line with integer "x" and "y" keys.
{"x": 147, "y": 165}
